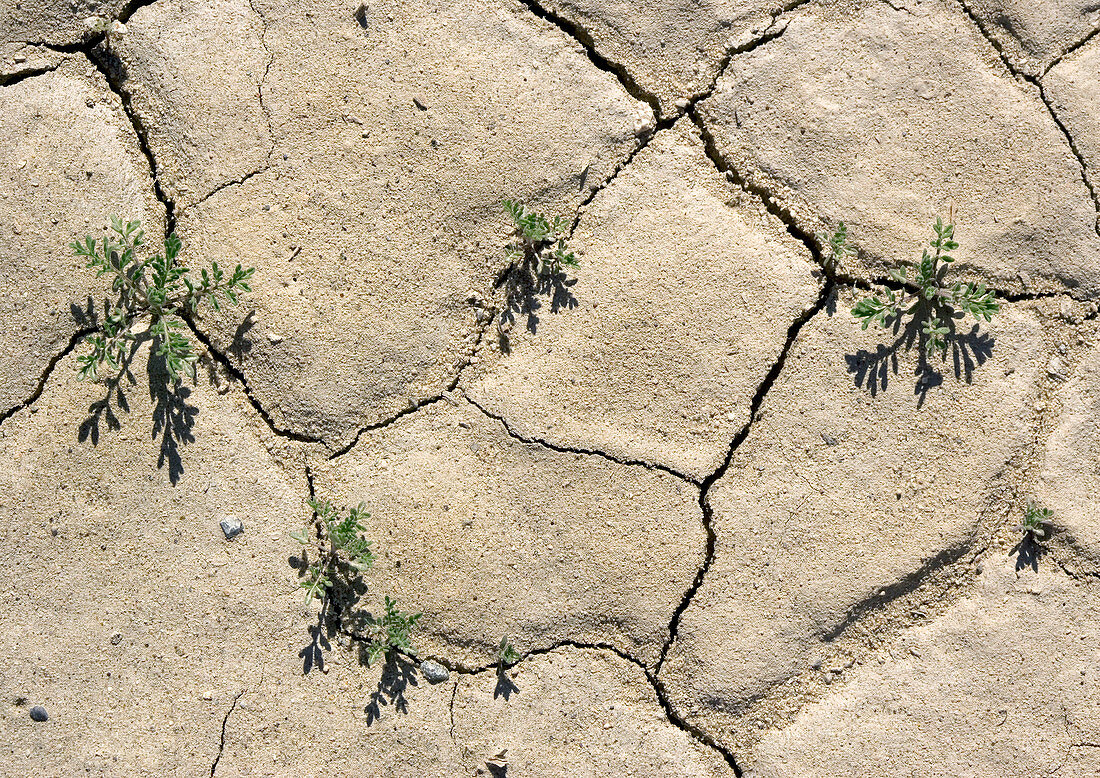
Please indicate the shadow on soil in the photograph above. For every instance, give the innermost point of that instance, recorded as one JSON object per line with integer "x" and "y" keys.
{"x": 871, "y": 370}
{"x": 505, "y": 686}
{"x": 1028, "y": 553}
{"x": 398, "y": 670}
{"x": 524, "y": 293}
{"x": 173, "y": 417}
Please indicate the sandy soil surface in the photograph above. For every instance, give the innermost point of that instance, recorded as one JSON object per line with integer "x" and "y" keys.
{"x": 727, "y": 530}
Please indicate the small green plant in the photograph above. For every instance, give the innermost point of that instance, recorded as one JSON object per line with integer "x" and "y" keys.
{"x": 539, "y": 241}
{"x": 834, "y": 247}
{"x": 935, "y": 301}
{"x": 154, "y": 296}
{"x": 389, "y": 633}
{"x": 506, "y": 654}
{"x": 343, "y": 552}
{"x": 1035, "y": 522}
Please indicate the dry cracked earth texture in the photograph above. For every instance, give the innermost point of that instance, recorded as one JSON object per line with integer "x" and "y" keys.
{"x": 727, "y": 530}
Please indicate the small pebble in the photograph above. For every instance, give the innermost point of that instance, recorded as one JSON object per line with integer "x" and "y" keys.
{"x": 433, "y": 671}
{"x": 38, "y": 713}
{"x": 231, "y": 526}
{"x": 116, "y": 638}
{"x": 1055, "y": 369}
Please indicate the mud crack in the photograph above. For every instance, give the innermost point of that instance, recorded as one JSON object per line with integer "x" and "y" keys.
{"x": 658, "y": 688}
{"x": 582, "y": 36}
{"x": 707, "y": 483}
{"x": 23, "y": 75}
{"x": 225, "y": 720}
{"x": 1037, "y": 83}
{"x": 263, "y": 80}
{"x": 414, "y": 406}
{"x": 237, "y": 375}
{"x": 574, "y": 450}
{"x": 1071, "y": 51}
{"x": 111, "y": 68}
{"x": 74, "y": 341}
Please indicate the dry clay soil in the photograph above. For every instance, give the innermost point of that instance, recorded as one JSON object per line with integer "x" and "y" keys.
{"x": 728, "y": 531}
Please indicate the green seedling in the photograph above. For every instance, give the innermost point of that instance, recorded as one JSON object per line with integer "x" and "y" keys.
{"x": 935, "y": 301}
{"x": 343, "y": 554}
{"x": 390, "y": 633}
{"x": 1035, "y": 522}
{"x": 539, "y": 242}
{"x": 834, "y": 247}
{"x": 506, "y": 654}
{"x": 342, "y": 551}
{"x": 155, "y": 295}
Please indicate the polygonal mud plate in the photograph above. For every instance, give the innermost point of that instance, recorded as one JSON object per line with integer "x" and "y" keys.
{"x": 855, "y": 483}
{"x": 194, "y": 73}
{"x": 884, "y": 119}
{"x": 56, "y": 23}
{"x": 1073, "y": 89}
{"x": 1069, "y": 482}
{"x": 574, "y": 712}
{"x": 378, "y": 230}
{"x": 1033, "y": 35}
{"x": 128, "y": 615}
{"x": 672, "y": 49}
{"x": 681, "y": 303}
{"x": 23, "y": 60}
{"x": 491, "y": 537}
{"x": 1003, "y": 684}
{"x": 70, "y": 162}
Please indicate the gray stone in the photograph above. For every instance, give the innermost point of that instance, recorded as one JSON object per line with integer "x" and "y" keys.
{"x": 434, "y": 672}
{"x": 231, "y": 526}
{"x": 38, "y": 713}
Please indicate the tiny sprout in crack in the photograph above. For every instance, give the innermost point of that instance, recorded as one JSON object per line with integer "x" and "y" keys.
{"x": 342, "y": 552}
{"x": 539, "y": 242}
{"x": 506, "y": 654}
{"x": 334, "y": 574}
{"x": 834, "y": 247}
{"x": 391, "y": 632}
{"x": 1036, "y": 521}
{"x": 155, "y": 294}
{"x": 936, "y": 302}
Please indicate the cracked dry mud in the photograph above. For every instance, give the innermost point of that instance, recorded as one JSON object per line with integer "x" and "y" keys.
{"x": 728, "y": 531}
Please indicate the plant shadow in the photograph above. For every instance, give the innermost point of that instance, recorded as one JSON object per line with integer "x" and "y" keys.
{"x": 399, "y": 671}
{"x": 505, "y": 686}
{"x": 313, "y": 652}
{"x": 241, "y": 345}
{"x": 871, "y": 370}
{"x": 1028, "y": 553}
{"x": 524, "y": 293}
{"x": 173, "y": 417}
